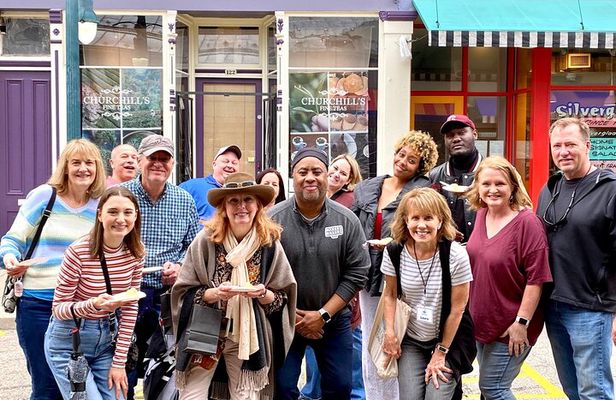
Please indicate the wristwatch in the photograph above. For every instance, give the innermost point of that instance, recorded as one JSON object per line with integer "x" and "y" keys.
{"x": 325, "y": 315}
{"x": 522, "y": 320}
{"x": 441, "y": 348}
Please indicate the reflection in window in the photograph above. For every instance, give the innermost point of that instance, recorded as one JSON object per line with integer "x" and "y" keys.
{"x": 333, "y": 42}
{"x": 271, "y": 48}
{"x": 488, "y": 114}
{"x": 125, "y": 40}
{"x": 25, "y": 37}
{"x": 231, "y": 46}
{"x": 566, "y": 69}
{"x": 435, "y": 68}
{"x": 181, "y": 47}
{"x": 487, "y": 69}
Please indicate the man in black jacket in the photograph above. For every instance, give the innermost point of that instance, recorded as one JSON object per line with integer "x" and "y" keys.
{"x": 464, "y": 158}
{"x": 578, "y": 208}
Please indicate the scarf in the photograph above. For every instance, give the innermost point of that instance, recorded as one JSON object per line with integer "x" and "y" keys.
{"x": 239, "y": 308}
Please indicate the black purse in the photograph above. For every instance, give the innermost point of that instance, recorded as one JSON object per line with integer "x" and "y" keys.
{"x": 9, "y": 300}
{"x": 203, "y": 330}
{"x": 132, "y": 357}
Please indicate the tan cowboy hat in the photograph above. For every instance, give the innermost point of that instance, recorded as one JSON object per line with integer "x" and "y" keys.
{"x": 241, "y": 183}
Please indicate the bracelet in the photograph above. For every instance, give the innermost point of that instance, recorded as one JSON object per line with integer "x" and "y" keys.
{"x": 442, "y": 348}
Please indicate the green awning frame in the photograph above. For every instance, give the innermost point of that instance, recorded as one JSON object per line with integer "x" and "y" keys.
{"x": 520, "y": 23}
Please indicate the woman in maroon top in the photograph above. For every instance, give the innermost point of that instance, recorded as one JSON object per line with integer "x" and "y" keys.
{"x": 508, "y": 251}
{"x": 342, "y": 177}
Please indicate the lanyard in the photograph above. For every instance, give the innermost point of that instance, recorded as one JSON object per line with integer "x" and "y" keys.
{"x": 424, "y": 282}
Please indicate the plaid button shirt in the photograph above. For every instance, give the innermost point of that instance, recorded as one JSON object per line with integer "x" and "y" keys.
{"x": 167, "y": 227}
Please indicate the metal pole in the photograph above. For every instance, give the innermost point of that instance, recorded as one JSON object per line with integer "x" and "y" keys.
{"x": 73, "y": 78}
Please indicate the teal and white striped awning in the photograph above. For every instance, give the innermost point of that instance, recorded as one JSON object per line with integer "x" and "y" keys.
{"x": 588, "y": 24}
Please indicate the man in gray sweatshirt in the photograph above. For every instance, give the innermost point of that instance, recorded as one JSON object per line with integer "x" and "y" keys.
{"x": 323, "y": 242}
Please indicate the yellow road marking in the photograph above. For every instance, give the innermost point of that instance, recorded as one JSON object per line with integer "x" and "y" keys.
{"x": 551, "y": 391}
{"x": 2, "y": 333}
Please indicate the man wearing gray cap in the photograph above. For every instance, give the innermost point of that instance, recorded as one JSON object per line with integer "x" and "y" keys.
{"x": 169, "y": 223}
{"x": 226, "y": 162}
{"x": 323, "y": 242}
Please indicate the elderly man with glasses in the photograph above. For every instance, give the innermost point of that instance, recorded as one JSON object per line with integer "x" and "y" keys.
{"x": 578, "y": 208}
{"x": 169, "y": 224}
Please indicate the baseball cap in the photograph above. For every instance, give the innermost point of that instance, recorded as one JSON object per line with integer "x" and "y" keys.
{"x": 153, "y": 143}
{"x": 457, "y": 120}
{"x": 232, "y": 148}
{"x": 310, "y": 152}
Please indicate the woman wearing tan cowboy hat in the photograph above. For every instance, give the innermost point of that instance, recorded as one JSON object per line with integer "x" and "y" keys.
{"x": 237, "y": 263}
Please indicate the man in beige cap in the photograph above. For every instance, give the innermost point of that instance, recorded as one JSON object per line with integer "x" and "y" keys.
{"x": 169, "y": 224}
{"x": 226, "y": 162}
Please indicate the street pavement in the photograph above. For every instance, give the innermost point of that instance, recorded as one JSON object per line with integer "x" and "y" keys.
{"x": 537, "y": 380}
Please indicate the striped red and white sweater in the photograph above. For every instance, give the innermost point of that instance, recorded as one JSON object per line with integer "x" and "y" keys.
{"x": 81, "y": 279}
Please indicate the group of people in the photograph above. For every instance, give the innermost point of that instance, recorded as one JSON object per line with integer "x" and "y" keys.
{"x": 479, "y": 266}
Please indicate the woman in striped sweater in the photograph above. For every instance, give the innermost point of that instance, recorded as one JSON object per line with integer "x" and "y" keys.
{"x": 79, "y": 181}
{"x": 113, "y": 244}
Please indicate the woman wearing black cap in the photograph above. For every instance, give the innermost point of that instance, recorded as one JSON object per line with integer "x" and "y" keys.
{"x": 376, "y": 201}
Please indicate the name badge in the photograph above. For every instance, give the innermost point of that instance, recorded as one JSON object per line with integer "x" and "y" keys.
{"x": 425, "y": 314}
{"x": 334, "y": 231}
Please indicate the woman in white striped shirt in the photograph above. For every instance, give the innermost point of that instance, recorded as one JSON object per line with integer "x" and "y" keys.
{"x": 114, "y": 245}
{"x": 421, "y": 227}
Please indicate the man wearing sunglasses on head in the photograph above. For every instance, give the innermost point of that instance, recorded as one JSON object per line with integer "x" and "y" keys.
{"x": 578, "y": 209}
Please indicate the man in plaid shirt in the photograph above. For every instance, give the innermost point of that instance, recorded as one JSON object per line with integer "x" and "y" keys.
{"x": 169, "y": 223}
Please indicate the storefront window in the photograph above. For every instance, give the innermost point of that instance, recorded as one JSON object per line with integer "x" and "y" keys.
{"x": 488, "y": 114}
{"x": 583, "y": 68}
{"x": 271, "y": 49}
{"x": 333, "y": 42}
{"x": 598, "y": 110}
{"x": 332, "y": 83}
{"x": 125, "y": 40}
{"x": 181, "y": 47}
{"x": 434, "y": 68}
{"x": 487, "y": 69}
{"x": 522, "y": 137}
{"x": 523, "y": 68}
{"x": 25, "y": 37}
{"x": 228, "y": 45}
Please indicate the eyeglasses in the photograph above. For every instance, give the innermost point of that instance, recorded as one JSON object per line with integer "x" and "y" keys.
{"x": 554, "y": 224}
{"x": 237, "y": 185}
{"x": 163, "y": 160}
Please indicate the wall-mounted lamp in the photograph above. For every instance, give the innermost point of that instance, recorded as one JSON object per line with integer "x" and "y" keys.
{"x": 87, "y": 22}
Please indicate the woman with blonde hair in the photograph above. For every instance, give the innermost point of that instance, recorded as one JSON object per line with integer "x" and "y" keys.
{"x": 509, "y": 256}
{"x": 238, "y": 249}
{"x": 430, "y": 272}
{"x": 376, "y": 201}
{"x": 72, "y": 192}
{"x": 342, "y": 177}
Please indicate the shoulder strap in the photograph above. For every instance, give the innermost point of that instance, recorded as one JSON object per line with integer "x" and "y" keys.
{"x": 101, "y": 257}
{"x": 394, "y": 250}
{"x": 42, "y": 223}
{"x": 444, "y": 252}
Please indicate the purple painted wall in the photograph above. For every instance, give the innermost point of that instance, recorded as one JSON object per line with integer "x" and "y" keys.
{"x": 223, "y": 6}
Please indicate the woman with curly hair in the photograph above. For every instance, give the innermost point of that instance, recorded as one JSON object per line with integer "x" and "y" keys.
{"x": 376, "y": 201}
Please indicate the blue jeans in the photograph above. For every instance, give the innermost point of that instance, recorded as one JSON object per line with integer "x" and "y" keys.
{"x": 31, "y": 322}
{"x": 582, "y": 347}
{"x": 96, "y": 347}
{"x": 312, "y": 388}
{"x": 497, "y": 370}
{"x": 334, "y": 354}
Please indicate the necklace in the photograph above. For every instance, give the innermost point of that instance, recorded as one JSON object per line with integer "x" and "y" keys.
{"x": 424, "y": 282}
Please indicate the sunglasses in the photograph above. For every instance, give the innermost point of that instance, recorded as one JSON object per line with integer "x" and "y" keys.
{"x": 237, "y": 185}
